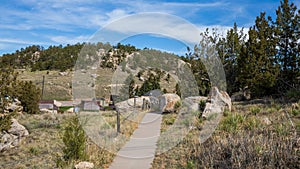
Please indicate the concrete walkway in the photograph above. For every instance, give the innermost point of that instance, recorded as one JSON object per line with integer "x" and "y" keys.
{"x": 139, "y": 151}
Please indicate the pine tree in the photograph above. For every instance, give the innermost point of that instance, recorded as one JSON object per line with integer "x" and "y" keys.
{"x": 256, "y": 64}
{"x": 287, "y": 26}
{"x": 151, "y": 83}
{"x": 229, "y": 49}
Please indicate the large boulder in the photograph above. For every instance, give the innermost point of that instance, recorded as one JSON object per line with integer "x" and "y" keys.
{"x": 17, "y": 129}
{"x": 217, "y": 101}
{"x": 167, "y": 102}
{"x": 84, "y": 165}
{"x": 130, "y": 102}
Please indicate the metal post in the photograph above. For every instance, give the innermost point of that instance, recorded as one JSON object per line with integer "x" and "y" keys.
{"x": 43, "y": 86}
{"x": 118, "y": 112}
{"x": 118, "y": 122}
{"x": 134, "y": 102}
{"x": 143, "y": 107}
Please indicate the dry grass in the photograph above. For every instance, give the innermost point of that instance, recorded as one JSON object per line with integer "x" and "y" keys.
{"x": 59, "y": 87}
{"x": 242, "y": 140}
{"x": 39, "y": 149}
{"x": 56, "y": 86}
{"x": 43, "y": 147}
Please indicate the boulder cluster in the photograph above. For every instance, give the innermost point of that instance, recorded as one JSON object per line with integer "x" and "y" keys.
{"x": 12, "y": 137}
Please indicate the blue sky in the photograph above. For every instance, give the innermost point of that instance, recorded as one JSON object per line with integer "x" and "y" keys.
{"x": 53, "y": 22}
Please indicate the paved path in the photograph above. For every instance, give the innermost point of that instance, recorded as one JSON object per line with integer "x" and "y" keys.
{"x": 139, "y": 151}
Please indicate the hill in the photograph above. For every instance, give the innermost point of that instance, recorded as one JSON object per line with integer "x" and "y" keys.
{"x": 58, "y": 84}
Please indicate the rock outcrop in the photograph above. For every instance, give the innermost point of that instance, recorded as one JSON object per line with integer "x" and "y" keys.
{"x": 217, "y": 101}
{"x": 13, "y": 136}
{"x": 167, "y": 102}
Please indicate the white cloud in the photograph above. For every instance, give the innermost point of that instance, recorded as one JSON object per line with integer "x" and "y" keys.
{"x": 117, "y": 13}
{"x": 72, "y": 15}
{"x": 153, "y": 23}
{"x": 157, "y": 23}
{"x": 67, "y": 15}
{"x": 201, "y": 5}
{"x": 20, "y": 41}
{"x": 69, "y": 40}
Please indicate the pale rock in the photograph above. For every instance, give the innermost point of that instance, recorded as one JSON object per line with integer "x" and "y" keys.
{"x": 84, "y": 165}
{"x": 141, "y": 78}
{"x": 217, "y": 102}
{"x": 70, "y": 110}
{"x": 14, "y": 107}
{"x": 130, "y": 102}
{"x": 63, "y": 73}
{"x": 266, "y": 121}
{"x": 167, "y": 102}
{"x": 17, "y": 101}
{"x": 6, "y": 141}
{"x": 17, "y": 129}
{"x": 12, "y": 137}
{"x": 94, "y": 76}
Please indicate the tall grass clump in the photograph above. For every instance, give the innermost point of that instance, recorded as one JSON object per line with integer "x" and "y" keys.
{"x": 232, "y": 122}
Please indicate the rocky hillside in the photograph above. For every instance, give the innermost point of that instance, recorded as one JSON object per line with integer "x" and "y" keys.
{"x": 58, "y": 84}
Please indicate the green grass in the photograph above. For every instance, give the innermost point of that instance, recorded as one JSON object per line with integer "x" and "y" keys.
{"x": 232, "y": 123}
{"x": 65, "y": 108}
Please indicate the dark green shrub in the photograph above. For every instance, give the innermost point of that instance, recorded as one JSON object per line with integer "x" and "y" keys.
{"x": 5, "y": 121}
{"x": 202, "y": 104}
{"x": 29, "y": 95}
{"x": 74, "y": 140}
{"x": 293, "y": 94}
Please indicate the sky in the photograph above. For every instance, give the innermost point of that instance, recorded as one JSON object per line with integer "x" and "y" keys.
{"x": 53, "y": 22}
